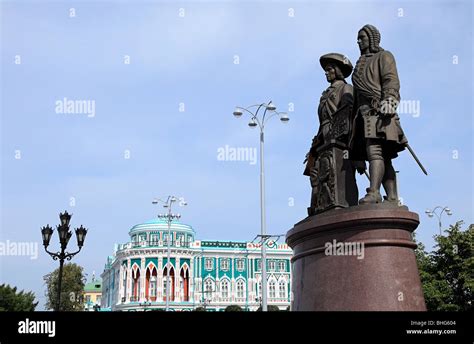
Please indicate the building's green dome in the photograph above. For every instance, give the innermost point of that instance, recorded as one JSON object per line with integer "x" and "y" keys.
{"x": 160, "y": 225}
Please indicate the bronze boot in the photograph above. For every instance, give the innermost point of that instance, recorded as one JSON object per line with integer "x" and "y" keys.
{"x": 373, "y": 196}
{"x": 390, "y": 184}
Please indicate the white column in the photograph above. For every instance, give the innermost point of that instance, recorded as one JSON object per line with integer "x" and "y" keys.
{"x": 232, "y": 280}
{"x": 233, "y": 290}
{"x": 122, "y": 275}
{"x": 142, "y": 280}
{"x": 159, "y": 280}
{"x": 217, "y": 294}
{"x": 191, "y": 280}
{"x": 128, "y": 281}
{"x": 177, "y": 280}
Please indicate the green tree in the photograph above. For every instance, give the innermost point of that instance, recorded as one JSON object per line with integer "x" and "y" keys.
{"x": 72, "y": 288}
{"x": 12, "y": 301}
{"x": 270, "y": 308}
{"x": 199, "y": 309}
{"x": 447, "y": 273}
{"x": 233, "y": 308}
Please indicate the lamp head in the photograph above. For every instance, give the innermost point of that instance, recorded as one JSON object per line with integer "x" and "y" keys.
{"x": 237, "y": 112}
{"x": 62, "y": 231}
{"x": 65, "y": 218}
{"x": 68, "y": 236}
{"x": 81, "y": 236}
{"x": 271, "y": 106}
{"x": 46, "y": 232}
{"x": 284, "y": 117}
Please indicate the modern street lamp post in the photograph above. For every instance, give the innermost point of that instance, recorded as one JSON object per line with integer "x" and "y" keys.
{"x": 169, "y": 218}
{"x": 64, "y": 236}
{"x": 260, "y": 122}
{"x": 432, "y": 212}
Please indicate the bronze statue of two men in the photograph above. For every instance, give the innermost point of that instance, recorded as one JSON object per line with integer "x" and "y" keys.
{"x": 357, "y": 123}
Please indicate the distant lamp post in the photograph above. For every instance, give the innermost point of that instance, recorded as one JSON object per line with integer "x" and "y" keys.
{"x": 207, "y": 298}
{"x": 64, "y": 235}
{"x": 169, "y": 217}
{"x": 144, "y": 305}
{"x": 259, "y": 300}
{"x": 438, "y": 211}
{"x": 256, "y": 121}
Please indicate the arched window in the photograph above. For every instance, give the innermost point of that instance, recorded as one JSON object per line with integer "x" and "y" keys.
{"x": 208, "y": 289}
{"x": 225, "y": 289}
{"x": 150, "y": 286}
{"x": 240, "y": 289}
{"x": 184, "y": 282}
{"x": 135, "y": 283}
{"x": 153, "y": 287}
{"x": 271, "y": 288}
{"x": 209, "y": 285}
{"x": 282, "y": 289}
{"x": 172, "y": 284}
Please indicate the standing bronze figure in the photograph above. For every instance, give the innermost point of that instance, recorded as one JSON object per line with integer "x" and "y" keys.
{"x": 378, "y": 135}
{"x": 332, "y": 174}
{"x": 357, "y": 124}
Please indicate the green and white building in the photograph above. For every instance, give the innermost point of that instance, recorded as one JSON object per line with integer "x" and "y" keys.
{"x": 210, "y": 274}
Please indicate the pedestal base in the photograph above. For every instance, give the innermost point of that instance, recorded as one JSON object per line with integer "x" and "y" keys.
{"x": 359, "y": 258}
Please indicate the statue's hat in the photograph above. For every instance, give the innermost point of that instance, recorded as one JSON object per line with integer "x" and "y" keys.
{"x": 340, "y": 60}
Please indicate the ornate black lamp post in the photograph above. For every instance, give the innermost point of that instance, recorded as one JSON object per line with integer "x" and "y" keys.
{"x": 64, "y": 235}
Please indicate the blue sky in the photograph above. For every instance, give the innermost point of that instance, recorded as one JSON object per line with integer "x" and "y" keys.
{"x": 190, "y": 59}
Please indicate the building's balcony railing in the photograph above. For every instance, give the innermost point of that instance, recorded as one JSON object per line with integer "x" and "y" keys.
{"x": 154, "y": 243}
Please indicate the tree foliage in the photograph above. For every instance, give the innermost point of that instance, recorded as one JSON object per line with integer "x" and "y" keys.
{"x": 72, "y": 288}
{"x": 270, "y": 308}
{"x": 233, "y": 308}
{"x": 447, "y": 273}
{"x": 13, "y": 301}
